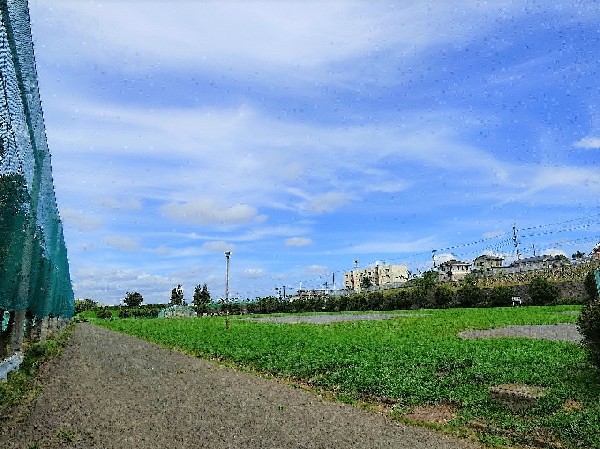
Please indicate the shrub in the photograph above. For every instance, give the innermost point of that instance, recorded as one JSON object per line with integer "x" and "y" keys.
{"x": 589, "y": 326}
{"x": 542, "y": 292}
{"x": 590, "y": 286}
{"x": 104, "y": 314}
{"x": 501, "y": 296}
{"x": 443, "y": 296}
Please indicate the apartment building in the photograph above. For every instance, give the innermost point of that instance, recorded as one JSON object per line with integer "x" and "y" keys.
{"x": 379, "y": 275}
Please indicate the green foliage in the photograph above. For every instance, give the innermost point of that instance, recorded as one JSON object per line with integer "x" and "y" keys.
{"x": 104, "y": 314}
{"x": 177, "y": 296}
{"x": 82, "y": 305}
{"x": 443, "y": 297}
{"x": 501, "y": 296}
{"x": 590, "y": 286}
{"x": 469, "y": 294}
{"x": 201, "y": 299}
{"x": 414, "y": 359}
{"x": 365, "y": 283}
{"x": 542, "y": 292}
{"x": 133, "y": 299}
{"x": 589, "y": 326}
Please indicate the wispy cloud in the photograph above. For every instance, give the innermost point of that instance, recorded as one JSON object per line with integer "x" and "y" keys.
{"x": 590, "y": 143}
{"x": 207, "y": 212}
{"x": 122, "y": 242}
{"x": 298, "y": 241}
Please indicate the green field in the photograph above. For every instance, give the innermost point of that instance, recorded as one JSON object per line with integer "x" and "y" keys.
{"x": 412, "y": 360}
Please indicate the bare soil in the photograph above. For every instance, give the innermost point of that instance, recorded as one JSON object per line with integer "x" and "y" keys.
{"x": 557, "y": 332}
{"x": 109, "y": 390}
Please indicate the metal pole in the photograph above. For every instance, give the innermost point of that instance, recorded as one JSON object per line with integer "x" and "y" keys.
{"x": 227, "y": 254}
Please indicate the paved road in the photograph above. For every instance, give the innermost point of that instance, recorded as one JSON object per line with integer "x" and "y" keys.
{"x": 110, "y": 390}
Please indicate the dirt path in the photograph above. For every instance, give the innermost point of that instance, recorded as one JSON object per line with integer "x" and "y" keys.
{"x": 110, "y": 390}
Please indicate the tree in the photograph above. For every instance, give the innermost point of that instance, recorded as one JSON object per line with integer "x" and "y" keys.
{"x": 84, "y": 304}
{"x": 201, "y": 298}
{"x": 578, "y": 255}
{"x": 542, "y": 292}
{"x": 177, "y": 296}
{"x": 366, "y": 283}
{"x": 133, "y": 299}
{"x": 469, "y": 294}
{"x": 590, "y": 286}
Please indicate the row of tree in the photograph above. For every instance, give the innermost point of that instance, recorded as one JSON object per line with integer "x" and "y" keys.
{"x": 200, "y": 301}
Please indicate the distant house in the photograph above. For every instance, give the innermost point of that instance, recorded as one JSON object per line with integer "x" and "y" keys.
{"x": 487, "y": 263}
{"x": 595, "y": 254}
{"x": 453, "y": 270}
{"x": 543, "y": 262}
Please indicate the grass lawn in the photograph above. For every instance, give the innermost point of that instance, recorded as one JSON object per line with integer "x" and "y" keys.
{"x": 414, "y": 360}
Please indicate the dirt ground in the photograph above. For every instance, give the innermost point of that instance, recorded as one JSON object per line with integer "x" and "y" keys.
{"x": 110, "y": 390}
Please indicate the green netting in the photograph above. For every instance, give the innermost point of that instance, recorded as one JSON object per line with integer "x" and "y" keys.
{"x": 34, "y": 270}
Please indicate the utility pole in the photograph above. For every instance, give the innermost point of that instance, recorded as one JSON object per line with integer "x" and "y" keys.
{"x": 227, "y": 254}
{"x": 516, "y": 241}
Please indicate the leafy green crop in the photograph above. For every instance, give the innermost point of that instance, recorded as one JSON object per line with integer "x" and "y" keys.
{"x": 414, "y": 359}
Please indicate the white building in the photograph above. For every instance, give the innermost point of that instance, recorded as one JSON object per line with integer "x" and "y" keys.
{"x": 453, "y": 270}
{"x": 382, "y": 276}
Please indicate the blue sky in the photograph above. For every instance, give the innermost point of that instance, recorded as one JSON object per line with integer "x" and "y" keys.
{"x": 304, "y": 135}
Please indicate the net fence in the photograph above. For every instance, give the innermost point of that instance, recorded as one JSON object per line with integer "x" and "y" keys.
{"x": 34, "y": 269}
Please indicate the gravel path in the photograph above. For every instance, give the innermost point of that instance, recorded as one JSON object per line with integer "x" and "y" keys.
{"x": 557, "y": 332}
{"x": 110, "y": 390}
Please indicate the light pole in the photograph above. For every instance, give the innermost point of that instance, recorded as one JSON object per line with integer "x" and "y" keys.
{"x": 227, "y": 254}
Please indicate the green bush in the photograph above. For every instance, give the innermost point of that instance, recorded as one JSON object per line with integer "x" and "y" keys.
{"x": 589, "y": 326}
{"x": 501, "y": 296}
{"x": 590, "y": 286}
{"x": 104, "y": 314}
{"x": 542, "y": 292}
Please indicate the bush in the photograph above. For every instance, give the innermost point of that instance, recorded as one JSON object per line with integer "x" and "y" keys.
{"x": 542, "y": 292}
{"x": 590, "y": 286}
{"x": 589, "y": 326}
{"x": 104, "y": 314}
{"x": 501, "y": 296}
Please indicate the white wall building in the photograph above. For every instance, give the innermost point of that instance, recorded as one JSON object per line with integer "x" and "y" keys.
{"x": 382, "y": 276}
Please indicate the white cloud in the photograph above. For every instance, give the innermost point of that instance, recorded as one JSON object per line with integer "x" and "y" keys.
{"x": 298, "y": 241}
{"x": 317, "y": 270}
{"x": 326, "y": 202}
{"x": 207, "y": 212}
{"x": 122, "y": 242}
{"x": 591, "y": 143}
{"x": 444, "y": 257}
{"x": 217, "y": 247}
{"x": 492, "y": 234}
{"x": 253, "y": 273}
{"x": 555, "y": 252}
{"x": 127, "y": 204}
{"x": 80, "y": 220}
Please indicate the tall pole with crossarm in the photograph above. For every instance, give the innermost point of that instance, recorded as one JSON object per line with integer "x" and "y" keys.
{"x": 227, "y": 254}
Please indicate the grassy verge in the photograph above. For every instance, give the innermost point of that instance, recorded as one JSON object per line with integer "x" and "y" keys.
{"x": 416, "y": 361}
{"x": 19, "y": 386}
